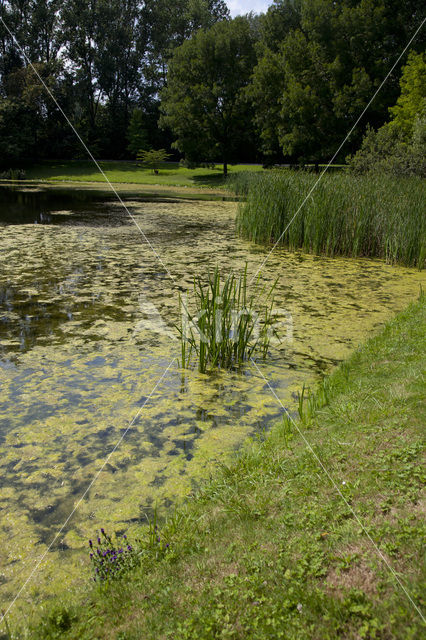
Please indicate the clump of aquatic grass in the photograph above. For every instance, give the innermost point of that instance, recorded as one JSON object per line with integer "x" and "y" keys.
{"x": 229, "y": 323}
{"x": 375, "y": 216}
{"x": 241, "y": 181}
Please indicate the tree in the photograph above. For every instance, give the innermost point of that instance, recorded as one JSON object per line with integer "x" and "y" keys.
{"x": 137, "y": 133}
{"x": 205, "y": 102}
{"x": 412, "y": 100}
{"x": 320, "y": 62}
{"x": 168, "y": 25}
{"x": 101, "y": 40}
{"x": 282, "y": 17}
{"x": 153, "y": 158}
{"x": 106, "y": 58}
{"x": 398, "y": 146}
{"x": 28, "y": 118}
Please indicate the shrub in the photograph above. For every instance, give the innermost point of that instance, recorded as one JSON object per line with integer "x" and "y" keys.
{"x": 387, "y": 151}
{"x": 152, "y": 158}
{"x": 398, "y": 147}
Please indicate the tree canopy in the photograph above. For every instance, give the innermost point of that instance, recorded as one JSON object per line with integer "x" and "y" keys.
{"x": 398, "y": 147}
{"x": 320, "y": 63}
{"x": 104, "y": 58}
{"x": 205, "y": 101}
{"x": 288, "y": 84}
{"x": 411, "y": 103}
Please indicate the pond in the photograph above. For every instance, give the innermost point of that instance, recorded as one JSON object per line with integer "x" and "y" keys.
{"x": 87, "y": 316}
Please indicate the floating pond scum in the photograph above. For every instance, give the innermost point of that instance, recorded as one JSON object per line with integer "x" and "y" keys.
{"x": 86, "y": 330}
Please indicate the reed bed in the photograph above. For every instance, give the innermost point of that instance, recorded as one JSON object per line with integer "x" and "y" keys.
{"x": 228, "y": 324}
{"x": 375, "y": 216}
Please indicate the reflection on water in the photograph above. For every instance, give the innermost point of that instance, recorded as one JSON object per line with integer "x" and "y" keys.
{"x": 86, "y": 330}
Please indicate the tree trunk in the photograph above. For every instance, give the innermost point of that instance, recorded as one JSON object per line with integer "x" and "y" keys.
{"x": 225, "y": 166}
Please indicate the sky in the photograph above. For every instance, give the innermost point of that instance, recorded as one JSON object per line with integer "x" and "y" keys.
{"x": 238, "y": 7}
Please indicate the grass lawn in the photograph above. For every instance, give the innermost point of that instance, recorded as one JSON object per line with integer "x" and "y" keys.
{"x": 270, "y": 548}
{"x": 127, "y": 172}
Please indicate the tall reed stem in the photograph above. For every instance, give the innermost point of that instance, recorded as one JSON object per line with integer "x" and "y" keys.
{"x": 228, "y": 324}
{"x": 375, "y": 216}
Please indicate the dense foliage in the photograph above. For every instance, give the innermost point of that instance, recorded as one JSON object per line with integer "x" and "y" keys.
{"x": 286, "y": 85}
{"x": 317, "y": 64}
{"x": 320, "y": 63}
{"x": 101, "y": 59}
{"x": 399, "y": 146}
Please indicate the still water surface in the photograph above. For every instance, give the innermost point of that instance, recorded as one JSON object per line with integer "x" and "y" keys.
{"x": 86, "y": 330}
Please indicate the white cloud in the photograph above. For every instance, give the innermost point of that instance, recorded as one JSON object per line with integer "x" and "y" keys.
{"x": 238, "y": 7}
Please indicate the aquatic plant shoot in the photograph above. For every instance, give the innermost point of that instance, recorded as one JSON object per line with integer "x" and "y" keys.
{"x": 230, "y": 323}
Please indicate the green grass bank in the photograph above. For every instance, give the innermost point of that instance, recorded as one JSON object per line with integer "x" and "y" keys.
{"x": 121, "y": 172}
{"x": 270, "y": 547}
{"x": 375, "y": 216}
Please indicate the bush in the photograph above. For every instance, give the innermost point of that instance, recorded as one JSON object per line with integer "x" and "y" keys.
{"x": 192, "y": 164}
{"x": 185, "y": 163}
{"x": 387, "y": 151}
{"x": 398, "y": 147}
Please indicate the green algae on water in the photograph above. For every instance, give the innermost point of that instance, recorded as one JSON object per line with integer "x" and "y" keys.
{"x": 86, "y": 330}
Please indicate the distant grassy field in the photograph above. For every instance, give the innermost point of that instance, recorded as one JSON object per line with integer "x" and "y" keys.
{"x": 128, "y": 172}
{"x": 271, "y": 548}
